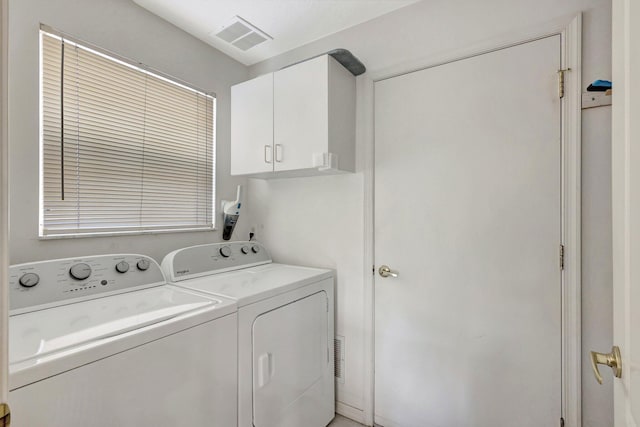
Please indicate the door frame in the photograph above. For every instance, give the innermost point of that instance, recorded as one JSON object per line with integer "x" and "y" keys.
{"x": 625, "y": 194}
{"x": 570, "y": 31}
{"x": 4, "y": 204}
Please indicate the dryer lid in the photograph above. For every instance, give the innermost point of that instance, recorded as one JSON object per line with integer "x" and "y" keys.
{"x": 257, "y": 283}
{"x": 36, "y": 334}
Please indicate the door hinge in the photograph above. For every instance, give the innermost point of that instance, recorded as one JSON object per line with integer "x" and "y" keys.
{"x": 561, "y": 82}
{"x": 561, "y": 257}
{"x": 373, "y": 270}
{"x": 5, "y": 415}
{"x": 561, "y": 422}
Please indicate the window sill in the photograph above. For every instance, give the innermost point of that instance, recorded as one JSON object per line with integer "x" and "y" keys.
{"x": 124, "y": 233}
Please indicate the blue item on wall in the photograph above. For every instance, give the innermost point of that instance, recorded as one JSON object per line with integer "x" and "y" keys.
{"x": 599, "y": 86}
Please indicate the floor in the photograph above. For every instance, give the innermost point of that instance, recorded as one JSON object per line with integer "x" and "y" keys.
{"x": 341, "y": 421}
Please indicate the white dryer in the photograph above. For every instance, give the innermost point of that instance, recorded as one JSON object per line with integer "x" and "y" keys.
{"x": 285, "y": 329}
{"x": 103, "y": 341}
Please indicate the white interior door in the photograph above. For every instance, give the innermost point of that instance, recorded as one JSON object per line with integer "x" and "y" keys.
{"x": 4, "y": 214}
{"x": 626, "y": 210}
{"x": 468, "y": 211}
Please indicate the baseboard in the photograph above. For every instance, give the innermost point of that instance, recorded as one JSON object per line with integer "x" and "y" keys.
{"x": 350, "y": 412}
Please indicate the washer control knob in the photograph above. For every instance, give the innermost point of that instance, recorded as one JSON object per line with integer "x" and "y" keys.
{"x": 255, "y": 249}
{"x": 80, "y": 271}
{"x": 122, "y": 267}
{"x": 225, "y": 251}
{"x": 143, "y": 264}
{"x": 245, "y": 249}
{"x": 29, "y": 280}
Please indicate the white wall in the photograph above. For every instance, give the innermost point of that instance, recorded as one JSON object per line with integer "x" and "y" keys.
{"x": 128, "y": 30}
{"x": 319, "y": 220}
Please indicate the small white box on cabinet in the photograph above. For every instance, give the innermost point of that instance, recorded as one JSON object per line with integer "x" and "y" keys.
{"x": 298, "y": 121}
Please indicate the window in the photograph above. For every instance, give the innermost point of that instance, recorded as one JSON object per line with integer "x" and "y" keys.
{"x": 123, "y": 149}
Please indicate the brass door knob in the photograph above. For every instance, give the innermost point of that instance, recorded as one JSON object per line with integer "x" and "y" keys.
{"x": 385, "y": 271}
{"x": 5, "y": 415}
{"x": 613, "y": 360}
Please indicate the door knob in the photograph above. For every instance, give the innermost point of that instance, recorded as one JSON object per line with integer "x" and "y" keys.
{"x": 385, "y": 271}
{"x": 613, "y": 360}
{"x": 5, "y": 415}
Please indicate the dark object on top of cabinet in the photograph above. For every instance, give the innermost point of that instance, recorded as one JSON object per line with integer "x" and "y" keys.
{"x": 345, "y": 58}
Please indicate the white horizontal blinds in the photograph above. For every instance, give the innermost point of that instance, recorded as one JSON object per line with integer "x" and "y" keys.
{"x": 177, "y": 175}
{"x": 51, "y": 128}
{"x": 103, "y": 104}
{"x": 131, "y": 152}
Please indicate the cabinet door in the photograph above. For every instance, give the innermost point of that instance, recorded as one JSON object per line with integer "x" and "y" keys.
{"x": 300, "y": 114}
{"x": 252, "y": 126}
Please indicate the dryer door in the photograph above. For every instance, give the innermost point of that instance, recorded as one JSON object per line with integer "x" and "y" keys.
{"x": 291, "y": 364}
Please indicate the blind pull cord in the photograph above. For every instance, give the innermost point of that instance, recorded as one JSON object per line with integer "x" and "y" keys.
{"x": 62, "y": 123}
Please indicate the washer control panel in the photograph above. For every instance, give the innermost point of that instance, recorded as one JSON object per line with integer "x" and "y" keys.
{"x": 203, "y": 260}
{"x": 37, "y": 285}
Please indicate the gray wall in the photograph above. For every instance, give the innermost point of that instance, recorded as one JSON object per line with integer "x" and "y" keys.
{"x": 283, "y": 210}
{"x": 128, "y": 30}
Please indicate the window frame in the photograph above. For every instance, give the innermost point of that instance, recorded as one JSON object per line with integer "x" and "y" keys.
{"x": 140, "y": 67}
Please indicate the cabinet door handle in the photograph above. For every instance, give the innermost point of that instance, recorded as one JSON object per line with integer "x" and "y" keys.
{"x": 279, "y": 153}
{"x": 268, "y": 158}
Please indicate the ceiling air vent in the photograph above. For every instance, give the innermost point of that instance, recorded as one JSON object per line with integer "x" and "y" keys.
{"x": 242, "y": 34}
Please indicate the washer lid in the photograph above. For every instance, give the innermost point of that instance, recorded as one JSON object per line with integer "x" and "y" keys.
{"x": 36, "y": 334}
{"x": 257, "y": 283}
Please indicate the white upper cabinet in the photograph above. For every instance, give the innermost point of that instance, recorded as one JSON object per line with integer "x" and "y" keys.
{"x": 301, "y": 113}
{"x": 252, "y": 126}
{"x": 312, "y": 119}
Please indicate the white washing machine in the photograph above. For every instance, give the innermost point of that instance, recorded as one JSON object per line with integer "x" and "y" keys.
{"x": 285, "y": 329}
{"x": 103, "y": 341}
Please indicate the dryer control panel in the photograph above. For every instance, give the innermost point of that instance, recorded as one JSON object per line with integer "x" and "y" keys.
{"x": 203, "y": 260}
{"x": 43, "y": 284}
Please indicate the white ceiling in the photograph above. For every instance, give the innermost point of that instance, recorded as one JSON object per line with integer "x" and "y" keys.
{"x": 291, "y": 23}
